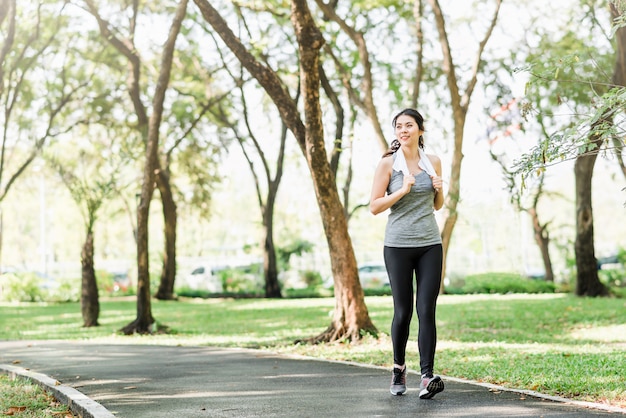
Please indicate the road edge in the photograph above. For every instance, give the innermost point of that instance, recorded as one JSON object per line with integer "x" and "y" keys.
{"x": 490, "y": 386}
{"x": 76, "y": 401}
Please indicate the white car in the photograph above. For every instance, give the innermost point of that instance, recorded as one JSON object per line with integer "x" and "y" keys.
{"x": 202, "y": 278}
{"x": 373, "y": 275}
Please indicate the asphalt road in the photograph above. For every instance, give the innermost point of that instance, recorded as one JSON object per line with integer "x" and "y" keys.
{"x": 135, "y": 381}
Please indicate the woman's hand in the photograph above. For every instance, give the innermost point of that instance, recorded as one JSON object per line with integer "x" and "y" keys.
{"x": 437, "y": 182}
{"x": 409, "y": 181}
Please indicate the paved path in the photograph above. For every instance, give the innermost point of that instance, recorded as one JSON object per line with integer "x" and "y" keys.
{"x": 135, "y": 381}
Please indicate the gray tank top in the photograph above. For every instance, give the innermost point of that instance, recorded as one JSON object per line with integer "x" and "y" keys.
{"x": 412, "y": 221}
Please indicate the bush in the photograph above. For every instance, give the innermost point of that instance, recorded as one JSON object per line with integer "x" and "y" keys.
{"x": 31, "y": 287}
{"x": 308, "y": 292}
{"x": 613, "y": 277}
{"x": 312, "y": 279}
{"x": 245, "y": 279}
{"x": 377, "y": 291}
{"x": 21, "y": 287}
{"x": 504, "y": 283}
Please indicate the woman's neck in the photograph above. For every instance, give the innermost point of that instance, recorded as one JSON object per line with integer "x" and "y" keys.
{"x": 410, "y": 152}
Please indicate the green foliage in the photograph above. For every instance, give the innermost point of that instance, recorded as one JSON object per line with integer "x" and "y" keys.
{"x": 30, "y": 287}
{"x": 242, "y": 280}
{"x": 615, "y": 275}
{"x": 312, "y": 278}
{"x": 570, "y": 87}
{"x": 307, "y": 293}
{"x": 295, "y": 247}
{"x": 504, "y": 283}
{"x": 377, "y": 291}
{"x": 20, "y": 288}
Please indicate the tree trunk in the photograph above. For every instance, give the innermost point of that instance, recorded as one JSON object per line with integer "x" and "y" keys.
{"x": 270, "y": 269}
{"x": 143, "y": 324}
{"x": 454, "y": 190}
{"x": 587, "y": 281}
{"x": 351, "y": 317}
{"x": 168, "y": 274}
{"x": 89, "y": 303}
{"x": 542, "y": 238}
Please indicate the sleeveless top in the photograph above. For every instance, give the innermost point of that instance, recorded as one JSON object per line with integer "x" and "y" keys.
{"x": 411, "y": 222}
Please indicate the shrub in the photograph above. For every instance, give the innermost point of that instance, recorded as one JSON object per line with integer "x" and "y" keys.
{"x": 21, "y": 287}
{"x": 312, "y": 278}
{"x": 245, "y": 279}
{"x": 31, "y": 287}
{"x": 505, "y": 283}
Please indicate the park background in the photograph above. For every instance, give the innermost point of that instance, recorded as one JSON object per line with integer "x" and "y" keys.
{"x": 490, "y": 236}
{"x": 505, "y": 339}
{"x": 41, "y": 233}
{"x": 39, "y": 217}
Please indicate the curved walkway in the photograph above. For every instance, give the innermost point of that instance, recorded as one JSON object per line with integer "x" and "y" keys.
{"x": 135, "y": 381}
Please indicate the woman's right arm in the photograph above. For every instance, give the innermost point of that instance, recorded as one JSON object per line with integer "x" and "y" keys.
{"x": 380, "y": 201}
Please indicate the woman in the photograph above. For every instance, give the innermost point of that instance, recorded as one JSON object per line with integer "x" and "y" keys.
{"x": 408, "y": 182}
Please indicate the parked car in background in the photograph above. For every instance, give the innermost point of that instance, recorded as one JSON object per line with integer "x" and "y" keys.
{"x": 373, "y": 275}
{"x": 202, "y": 278}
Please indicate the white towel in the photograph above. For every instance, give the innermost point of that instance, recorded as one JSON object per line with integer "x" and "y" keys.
{"x": 400, "y": 163}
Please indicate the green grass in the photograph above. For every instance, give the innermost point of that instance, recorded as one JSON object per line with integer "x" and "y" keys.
{"x": 21, "y": 398}
{"x": 555, "y": 344}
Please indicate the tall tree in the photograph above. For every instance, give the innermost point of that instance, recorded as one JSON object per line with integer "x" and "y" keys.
{"x": 588, "y": 282}
{"x": 272, "y": 183}
{"x": 350, "y": 318}
{"x": 144, "y": 321}
{"x": 126, "y": 46}
{"x": 581, "y": 84}
{"x": 243, "y": 126}
{"x": 460, "y": 97}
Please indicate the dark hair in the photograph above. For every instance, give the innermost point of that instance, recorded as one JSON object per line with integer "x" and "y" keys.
{"x": 419, "y": 119}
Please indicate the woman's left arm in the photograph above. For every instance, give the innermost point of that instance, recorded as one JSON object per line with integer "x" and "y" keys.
{"x": 437, "y": 182}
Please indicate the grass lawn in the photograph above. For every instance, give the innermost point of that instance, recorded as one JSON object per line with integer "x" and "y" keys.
{"x": 21, "y": 398}
{"x": 554, "y": 344}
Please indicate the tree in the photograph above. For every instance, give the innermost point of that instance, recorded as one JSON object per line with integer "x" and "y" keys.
{"x": 127, "y": 48}
{"x": 29, "y": 119}
{"x": 267, "y": 204}
{"x": 91, "y": 181}
{"x": 459, "y": 100}
{"x": 582, "y": 86}
{"x": 351, "y": 318}
{"x": 364, "y": 95}
{"x": 588, "y": 282}
{"x": 541, "y": 232}
{"x": 459, "y": 95}
{"x": 145, "y": 321}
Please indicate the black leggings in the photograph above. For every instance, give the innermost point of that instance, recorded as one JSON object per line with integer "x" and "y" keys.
{"x": 426, "y": 262}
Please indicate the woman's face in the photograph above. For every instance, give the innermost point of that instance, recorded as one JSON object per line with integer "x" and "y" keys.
{"x": 407, "y": 130}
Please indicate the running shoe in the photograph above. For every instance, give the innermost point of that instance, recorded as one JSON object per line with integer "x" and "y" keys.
{"x": 398, "y": 381}
{"x": 430, "y": 386}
